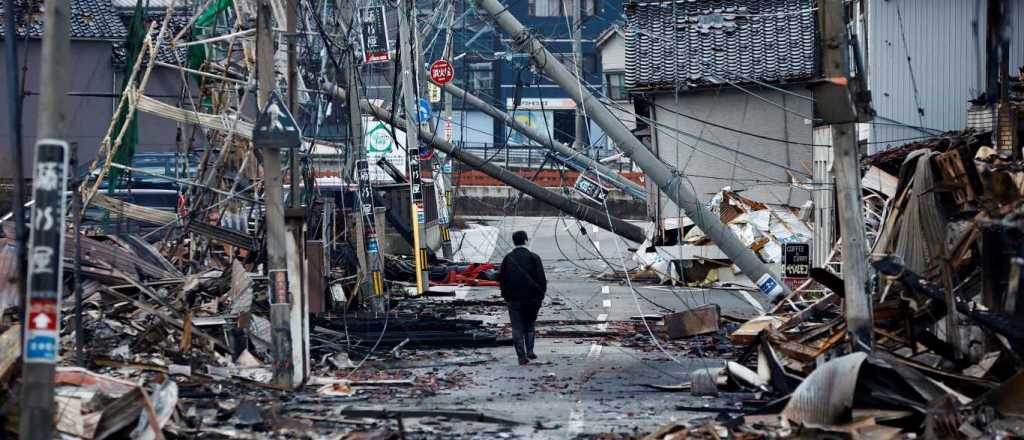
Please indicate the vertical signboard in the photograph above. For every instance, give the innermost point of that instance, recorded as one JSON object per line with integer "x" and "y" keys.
{"x": 796, "y": 259}
{"x": 372, "y": 246}
{"x": 46, "y": 250}
{"x": 374, "y": 35}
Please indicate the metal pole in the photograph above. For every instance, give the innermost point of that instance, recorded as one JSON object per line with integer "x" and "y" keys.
{"x": 76, "y": 211}
{"x": 14, "y": 121}
{"x": 668, "y": 179}
{"x": 415, "y": 181}
{"x": 848, "y": 186}
{"x": 571, "y": 207}
{"x": 581, "y": 139}
{"x": 542, "y": 138}
{"x": 277, "y": 267}
{"x": 37, "y": 405}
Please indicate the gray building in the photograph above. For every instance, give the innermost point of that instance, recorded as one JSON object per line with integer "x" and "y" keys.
{"x": 98, "y": 34}
{"x": 925, "y": 59}
{"x": 726, "y": 86}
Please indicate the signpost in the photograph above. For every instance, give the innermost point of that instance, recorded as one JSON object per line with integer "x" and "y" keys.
{"x": 372, "y": 245}
{"x": 276, "y": 129}
{"x": 374, "y": 35}
{"x": 275, "y": 126}
{"x": 45, "y": 275}
{"x": 442, "y": 72}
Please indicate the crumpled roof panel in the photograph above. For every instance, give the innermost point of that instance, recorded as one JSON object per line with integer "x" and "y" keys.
{"x": 90, "y": 19}
{"x": 700, "y": 43}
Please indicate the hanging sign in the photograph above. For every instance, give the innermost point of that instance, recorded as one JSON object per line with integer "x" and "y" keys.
{"x": 434, "y": 92}
{"x": 374, "y": 35}
{"x": 442, "y": 72}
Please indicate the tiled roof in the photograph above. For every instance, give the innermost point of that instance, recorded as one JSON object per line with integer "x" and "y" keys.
{"x": 700, "y": 43}
{"x": 90, "y": 20}
{"x": 165, "y": 54}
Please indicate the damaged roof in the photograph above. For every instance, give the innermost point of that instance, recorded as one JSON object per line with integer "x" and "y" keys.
{"x": 701, "y": 43}
{"x": 90, "y": 20}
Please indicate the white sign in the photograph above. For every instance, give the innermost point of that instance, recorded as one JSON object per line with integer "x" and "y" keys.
{"x": 380, "y": 143}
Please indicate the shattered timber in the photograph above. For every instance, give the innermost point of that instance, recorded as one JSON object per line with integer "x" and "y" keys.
{"x": 287, "y": 219}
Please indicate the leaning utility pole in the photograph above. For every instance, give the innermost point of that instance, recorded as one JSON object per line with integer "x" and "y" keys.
{"x": 577, "y": 210}
{"x": 411, "y": 108}
{"x": 835, "y": 50}
{"x": 581, "y": 139}
{"x": 541, "y": 137}
{"x": 668, "y": 179}
{"x": 277, "y": 255}
{"x": 44, "y": 273}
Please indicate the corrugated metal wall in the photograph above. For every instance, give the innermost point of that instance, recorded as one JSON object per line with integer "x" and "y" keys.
{"x": 945, "y": 40}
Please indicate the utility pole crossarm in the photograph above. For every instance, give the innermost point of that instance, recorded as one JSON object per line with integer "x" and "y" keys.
{"x": 667, "y": 178}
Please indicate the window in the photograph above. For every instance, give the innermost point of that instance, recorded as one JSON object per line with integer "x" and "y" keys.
{"x": 615, "y": 86}
{"x": 559, "y": 8}
{"x": 481, "y": 76}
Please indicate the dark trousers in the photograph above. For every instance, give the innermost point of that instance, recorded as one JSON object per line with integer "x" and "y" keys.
{"x": 523, "y": 315}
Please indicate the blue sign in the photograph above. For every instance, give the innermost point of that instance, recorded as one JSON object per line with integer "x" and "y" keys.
{"x": 447, "y": 167}
{"x": 41, "y": 347}
{"x": 421, "y": 216}
{"x": 372, "y": 245}
{"x": 423, "y": 112}
{"x": 769, "y": 286}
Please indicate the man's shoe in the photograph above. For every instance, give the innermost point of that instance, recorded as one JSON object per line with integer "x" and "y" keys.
{"x": 531, "y": 356}
{"x": 523, "y": 362}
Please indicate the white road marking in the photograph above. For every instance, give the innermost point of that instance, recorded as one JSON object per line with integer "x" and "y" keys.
{"x": 604, "y": 325}
{"x": 606, "y": 304}
{"x": 606, "y": 290}
{"x": 576, "y": 421}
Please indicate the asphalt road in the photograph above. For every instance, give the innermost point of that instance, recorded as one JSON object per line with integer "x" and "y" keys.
{"x": 584, "y": 385}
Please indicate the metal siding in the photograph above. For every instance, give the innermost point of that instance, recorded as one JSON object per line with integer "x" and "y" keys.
{"x": 947, "y": 58}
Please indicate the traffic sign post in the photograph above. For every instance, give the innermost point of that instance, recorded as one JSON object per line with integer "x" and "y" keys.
{"x": 45, "y": 274}
{"x": 275, "y": 126}
{"x": 276, "y": 129}
{"x": 442, "y": 72}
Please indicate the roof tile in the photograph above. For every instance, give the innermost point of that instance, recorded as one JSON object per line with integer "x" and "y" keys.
{"x": 700, "y": 43}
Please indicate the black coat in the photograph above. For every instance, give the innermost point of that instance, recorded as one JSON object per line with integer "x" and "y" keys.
{"x": 522, "y": 276}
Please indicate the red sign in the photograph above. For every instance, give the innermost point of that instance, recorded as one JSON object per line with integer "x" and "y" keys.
{"x": 42, "y": 315}
{"x": 442, "y": 72}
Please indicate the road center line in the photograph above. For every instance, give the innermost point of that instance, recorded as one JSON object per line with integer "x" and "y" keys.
{"x": 576, "y": 420}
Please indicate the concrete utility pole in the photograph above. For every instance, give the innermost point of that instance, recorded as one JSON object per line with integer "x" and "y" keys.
{"x": 581, "y": 139}
{"x": 835, "y": 47}
{"x": 668, "y": 179}
{"x": 295, "y": 221}
{"x": 411, "y": 109}
{"x": 567, "y": 205}
{"x": 44, "y": 273}
{"x": 277, "y": 254}
{"x": 606, "y": 174}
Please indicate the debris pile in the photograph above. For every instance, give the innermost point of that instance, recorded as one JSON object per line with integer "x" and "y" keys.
{"x": 947, "y": 254}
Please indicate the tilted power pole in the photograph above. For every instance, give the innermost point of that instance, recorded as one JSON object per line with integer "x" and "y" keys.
{"x": 668, "y": 178}
{"x": 408, "y": 63}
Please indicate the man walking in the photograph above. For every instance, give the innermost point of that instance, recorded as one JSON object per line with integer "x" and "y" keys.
{"x": 523, "y": 286}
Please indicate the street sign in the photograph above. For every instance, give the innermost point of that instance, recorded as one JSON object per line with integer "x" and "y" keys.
{"x": 434, "y": 92}
{"x": 275, "y": 126}
{"x": 423, "y": 112}
{"x": 591, "y": 189}
{"x": 442, "y": 72}
{"x": 796, "y": 259}
{"x": 374, "y": 35}
{"x": 46, "y": 251}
